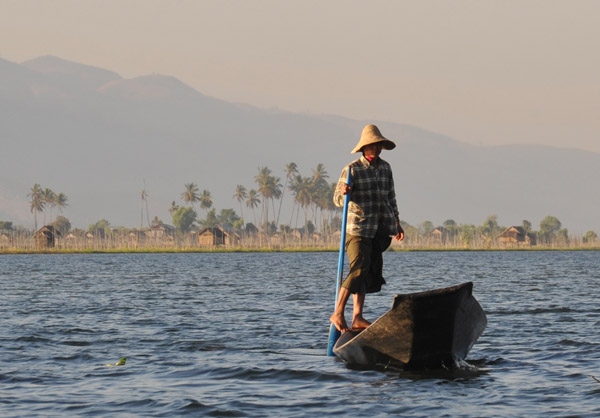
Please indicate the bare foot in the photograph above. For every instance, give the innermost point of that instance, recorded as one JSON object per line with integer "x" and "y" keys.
{"x": 339, "y": 322}
{"x": 359, "y": 322}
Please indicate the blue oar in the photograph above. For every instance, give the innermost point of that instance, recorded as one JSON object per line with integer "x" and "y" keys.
{"x": 334, "y": 334}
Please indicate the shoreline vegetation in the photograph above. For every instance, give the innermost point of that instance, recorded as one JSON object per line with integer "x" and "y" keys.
{"x": 313, "y": 224}
{"x": 59, "y": 238}
{"x": 150, "y": 250}
{"x": 108, "y": 246}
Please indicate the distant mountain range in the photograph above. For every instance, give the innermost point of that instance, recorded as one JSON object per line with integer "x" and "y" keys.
{"x": 98, "y": 138}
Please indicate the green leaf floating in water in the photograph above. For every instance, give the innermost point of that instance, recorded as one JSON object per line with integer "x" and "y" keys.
{"x": 120, "y": 363}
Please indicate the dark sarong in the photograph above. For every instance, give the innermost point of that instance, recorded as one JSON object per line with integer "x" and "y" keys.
{"x": 366, "y": 263}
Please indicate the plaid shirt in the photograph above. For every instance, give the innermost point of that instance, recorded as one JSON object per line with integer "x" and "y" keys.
{"x": 372, "y": 198}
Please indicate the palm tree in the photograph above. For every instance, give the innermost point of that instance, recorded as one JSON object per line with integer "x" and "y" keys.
{"x": 144, "y": 196}
{"x": 322, "y": 198}
{"x": 329, "y": 205}
{"x": 320, "y": 176}
{"x": 205, "y": 200}
{"x": 61, "y": 201}
{"x": 49, "y": 199}
{"x": 252, "y": 202}
{"x": 319, "y": 189}
{"x": 37, "y": 201}
{"x": 291, "y": 170}
{"x": 173, "y": 208}
{"x": 302, "y": 187}
{"x": 240, "y": 195}
{"x": 269, "y": 188}
{"x": 274, "y": 192}
{"x": 262, "y": 180}
{"x": 190, "y": 195}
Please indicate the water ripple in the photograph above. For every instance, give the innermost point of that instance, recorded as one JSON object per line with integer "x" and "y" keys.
{"x": 245, "y": 335}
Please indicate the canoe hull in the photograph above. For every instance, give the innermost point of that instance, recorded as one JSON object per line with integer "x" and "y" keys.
{"x": 422, "y": 330}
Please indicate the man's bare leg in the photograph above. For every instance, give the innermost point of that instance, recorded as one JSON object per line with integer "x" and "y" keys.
{"x": 337, "y": 319}
{"x": 358, "y": 321}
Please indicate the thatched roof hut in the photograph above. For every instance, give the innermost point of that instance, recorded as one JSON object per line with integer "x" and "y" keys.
{"x": 46, "y": 236}
{"x": 216, "y": 236}
{"x": 5, "y": 240}
{"x": 440, "y": 234}
{"x": 516, "y": 235}
{"x": 160, "y": 231}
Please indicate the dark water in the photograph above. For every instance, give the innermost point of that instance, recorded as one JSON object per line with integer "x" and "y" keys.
{"x": 246, "y": 335}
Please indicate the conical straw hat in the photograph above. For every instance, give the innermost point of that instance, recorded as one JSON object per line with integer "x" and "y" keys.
{"x": 371, "y": 135}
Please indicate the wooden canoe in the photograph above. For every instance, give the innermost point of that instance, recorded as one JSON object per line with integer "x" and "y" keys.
{"x": 422, "y": 330}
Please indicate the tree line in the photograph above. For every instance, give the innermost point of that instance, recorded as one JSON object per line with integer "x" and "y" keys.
{"x": 313, "y": 212}
{"x": 550, "y": 233}
{"x": 312, "y": 196}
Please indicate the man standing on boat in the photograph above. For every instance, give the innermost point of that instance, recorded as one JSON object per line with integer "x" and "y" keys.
{"x": 372, "y": 222}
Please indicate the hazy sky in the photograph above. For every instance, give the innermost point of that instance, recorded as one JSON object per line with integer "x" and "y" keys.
{"x": 484, "y": 72}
